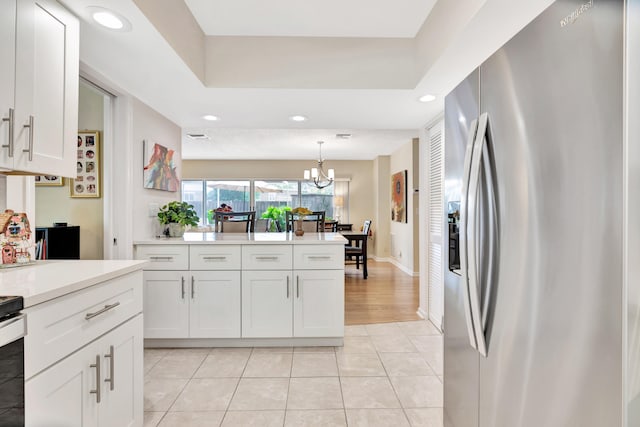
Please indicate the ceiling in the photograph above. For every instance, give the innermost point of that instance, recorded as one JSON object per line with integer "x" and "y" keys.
{"x": 354, "y": 67}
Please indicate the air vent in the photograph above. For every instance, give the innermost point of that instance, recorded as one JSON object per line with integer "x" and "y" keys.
{"x": 197, "y": 136}
{"x": 343, "y": 135}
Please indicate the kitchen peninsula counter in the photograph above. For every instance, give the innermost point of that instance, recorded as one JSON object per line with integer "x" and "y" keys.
{"x": 195, "y": 238}
{"x": 244, "y": 289}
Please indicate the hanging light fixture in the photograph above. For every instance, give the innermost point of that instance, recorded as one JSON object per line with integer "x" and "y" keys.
{"x": 318, "y": 175}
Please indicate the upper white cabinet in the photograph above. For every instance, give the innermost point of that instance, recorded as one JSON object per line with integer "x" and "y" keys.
{"x": 39, "y": 44}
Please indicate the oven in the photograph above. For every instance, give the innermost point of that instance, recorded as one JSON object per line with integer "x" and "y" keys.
{"x": 13, "y": 328}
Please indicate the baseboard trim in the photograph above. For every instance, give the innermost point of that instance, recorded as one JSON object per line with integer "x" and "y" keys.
{"x": 243, "y": 342}
{"x": 403, "y": 268}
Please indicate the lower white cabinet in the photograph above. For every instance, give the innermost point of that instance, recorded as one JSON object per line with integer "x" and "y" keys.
{"x": 99, "y": 385}
{"x": 196, "y": 304}
{"x": 302, "y": 303}
{"x": 318, "y": 307}
{"x": 266, "y": 304}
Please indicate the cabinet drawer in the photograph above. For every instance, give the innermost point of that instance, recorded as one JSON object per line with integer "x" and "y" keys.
{"x": 164, "y": 257}
{"x": 61, "y": 326}
{"x": 318, "y": 257}
{"x": 212, "y": 257}
{"x": 267, "y": 257}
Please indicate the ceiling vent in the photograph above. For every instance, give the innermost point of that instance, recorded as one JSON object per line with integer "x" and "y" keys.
{"x": 197, "y": 136}
{"x": 343, "y": 135}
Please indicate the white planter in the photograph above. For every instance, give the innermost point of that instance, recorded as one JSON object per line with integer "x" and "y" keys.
{"x": 176, "y": 230}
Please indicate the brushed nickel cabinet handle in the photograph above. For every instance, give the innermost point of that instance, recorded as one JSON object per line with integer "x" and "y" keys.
{"x": 183, "y": 287}
{"x": 160, "y": 258}
{"x": 267, "y": 258}
{"x": 297, "y": 286}
{"x": 214, "y": 257}
{"x": 30, "y": 149}
{"x": 10, "y": 119}
{"x": 287, "y": 286}
{"x": 193, "y": 287}
{"x": 110, "y": 356}
{"x": 102, "y": 310}
{"x": 97, "y": 390}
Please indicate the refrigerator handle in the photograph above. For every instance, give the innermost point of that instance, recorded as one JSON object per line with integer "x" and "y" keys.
{"x": 464, "y": 217}
{"x": 479, "y": 149}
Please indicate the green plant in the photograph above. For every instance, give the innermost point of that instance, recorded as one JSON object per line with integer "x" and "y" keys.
{"x": 276, "y": 214}
{"x": 178, "y": 212}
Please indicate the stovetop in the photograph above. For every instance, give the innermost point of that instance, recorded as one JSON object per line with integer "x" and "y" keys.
{"x": 10, "y": 305}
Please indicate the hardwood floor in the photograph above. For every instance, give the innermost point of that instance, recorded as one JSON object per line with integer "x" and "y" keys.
{"x": 388, "y": 295}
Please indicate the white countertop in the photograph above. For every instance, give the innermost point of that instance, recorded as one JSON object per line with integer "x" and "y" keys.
{"x": 248, "y": 238}
{"x": 47, "y": 280}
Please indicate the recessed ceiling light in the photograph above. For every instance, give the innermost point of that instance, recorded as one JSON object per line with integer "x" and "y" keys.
{"x": 211, "y": 118}
{"x": 298, "y": 118}
{"x": 427, "y": 98}
{"x": 109, "y": 19}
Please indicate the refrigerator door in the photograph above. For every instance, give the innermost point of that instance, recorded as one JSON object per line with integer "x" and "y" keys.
{"x": 553, "y": 95}
{"x": 461, "y": 360}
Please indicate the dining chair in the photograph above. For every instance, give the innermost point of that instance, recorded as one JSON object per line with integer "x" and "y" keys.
{"x": 357, "y": 247}
{"x": 313, "y": 223}
{"x": 235, "y": 222}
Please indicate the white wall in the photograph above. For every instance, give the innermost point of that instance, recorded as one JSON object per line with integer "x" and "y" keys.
{"x": 402, "y": 234}
{"x": 148, "y": 124}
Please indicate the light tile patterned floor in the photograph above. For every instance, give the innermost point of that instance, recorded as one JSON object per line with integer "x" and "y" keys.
{"x": 385, "y": 375}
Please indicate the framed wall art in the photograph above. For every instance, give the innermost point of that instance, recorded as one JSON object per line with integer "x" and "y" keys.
{"x": 399, "y": 196}
{"x": 87, "y": 180}
{"x": 49, "y": 181}
{"x": 159, "y": 170}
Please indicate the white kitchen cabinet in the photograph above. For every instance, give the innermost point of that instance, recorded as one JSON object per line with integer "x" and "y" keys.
{"x": 198, "y": 304}
{"x": 99, "y": 385}
{"x": 318, "y": 306}
{"x": 276, "y": 293}
{"x": 7, "y": 77}
{"x": 166, "y": 304}
{"x": 63, "y": 394}
{"x": 214, "y": 304}
{"x": 39, "y": 44}
{"x": 266, "y": 304}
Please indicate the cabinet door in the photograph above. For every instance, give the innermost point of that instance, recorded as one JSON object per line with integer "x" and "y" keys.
{"x": 7, "y": 75}
{"x": 63, "y": 394}
{"x": 266, "y": 304}
{"x": 122, "y": 393}
{"x": 318, "y": 305}
{"x": 215, "y": 304}
{"x": 47, "y": 65}
{"x": 166, "y": 304}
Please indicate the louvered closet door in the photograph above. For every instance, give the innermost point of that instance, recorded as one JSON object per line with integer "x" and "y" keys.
{"x": 436, "y": 221}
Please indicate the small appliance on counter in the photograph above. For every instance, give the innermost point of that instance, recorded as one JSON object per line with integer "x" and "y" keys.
{"x": 13, "y": 327}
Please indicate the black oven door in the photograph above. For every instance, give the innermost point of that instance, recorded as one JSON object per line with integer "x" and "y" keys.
{"x": 12, "y": 332}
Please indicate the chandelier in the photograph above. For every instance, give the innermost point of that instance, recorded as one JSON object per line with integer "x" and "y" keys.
{"x": 318, "y": 175}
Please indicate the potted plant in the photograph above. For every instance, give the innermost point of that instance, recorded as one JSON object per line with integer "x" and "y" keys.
{"x": 178, "y": 215}
{"x": 277, "y": 216}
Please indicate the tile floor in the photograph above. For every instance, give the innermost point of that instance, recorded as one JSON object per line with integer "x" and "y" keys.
{"x": 385, "y": 375}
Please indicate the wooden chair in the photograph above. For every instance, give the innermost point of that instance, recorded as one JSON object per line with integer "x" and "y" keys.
{"x": 313, "y": 223}
{"x": 235, "y": 222}
{"x": 357, "y": 247}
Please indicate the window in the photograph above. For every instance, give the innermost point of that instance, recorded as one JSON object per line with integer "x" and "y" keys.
{"x": 232, "y": 193}
{"x": 259, "y": 195}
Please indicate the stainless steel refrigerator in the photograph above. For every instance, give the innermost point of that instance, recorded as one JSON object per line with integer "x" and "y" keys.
{"x": 536, "y": 326}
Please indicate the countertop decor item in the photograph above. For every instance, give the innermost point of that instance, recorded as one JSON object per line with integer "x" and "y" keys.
{"x": 301, "y": 212}
{"x": 14, "y": 239}
{"x": 177, "y": 215}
